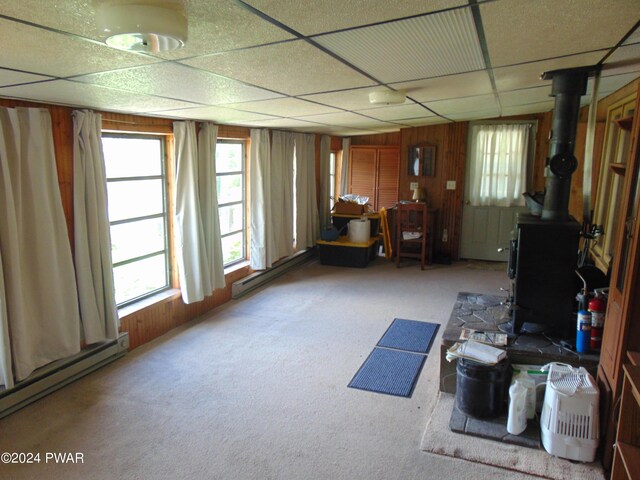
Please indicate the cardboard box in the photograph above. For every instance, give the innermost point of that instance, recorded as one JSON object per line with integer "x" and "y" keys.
{"x": 349, "y": 208}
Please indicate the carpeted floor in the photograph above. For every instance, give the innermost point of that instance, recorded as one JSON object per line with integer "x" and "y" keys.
{"x": 257, "y": 389}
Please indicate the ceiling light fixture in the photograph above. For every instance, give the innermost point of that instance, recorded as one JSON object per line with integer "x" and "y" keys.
{"x": 387, "y": 97}
{"x": 142, "y": 28}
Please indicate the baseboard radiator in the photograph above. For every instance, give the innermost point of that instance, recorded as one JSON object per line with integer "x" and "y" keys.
{"x": 255, "y": 280}
{"x": 56, "y": 375}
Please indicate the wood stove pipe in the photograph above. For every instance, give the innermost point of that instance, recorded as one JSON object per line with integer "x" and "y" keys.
{"x": 567, "y": 86}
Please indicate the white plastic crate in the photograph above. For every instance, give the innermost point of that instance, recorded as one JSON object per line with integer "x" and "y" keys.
{"x": 569, "y": 422}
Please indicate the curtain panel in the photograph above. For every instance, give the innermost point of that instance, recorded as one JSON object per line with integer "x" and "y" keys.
{"x": 498, "y": 164}
{"x": 344, "y": 169}
{"x": 260, "y": 180}
{"x": 39, "y": 303}
{"x": 325, "y": 191}
{"x": 196, "y": 212}
{"x": 94, "y": 268}
{"x": 307, "y": 220}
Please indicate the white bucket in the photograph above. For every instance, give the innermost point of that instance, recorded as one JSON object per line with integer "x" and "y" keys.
{"x": 359, "y": 230}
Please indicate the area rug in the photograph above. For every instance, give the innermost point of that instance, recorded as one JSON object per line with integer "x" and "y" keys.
{"x": 438, "y": 439}
{"x": 392, "y": 372}
{"x": 409, "y": 335}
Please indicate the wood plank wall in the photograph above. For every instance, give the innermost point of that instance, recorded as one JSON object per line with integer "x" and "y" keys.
{"x": 450, "y": 141}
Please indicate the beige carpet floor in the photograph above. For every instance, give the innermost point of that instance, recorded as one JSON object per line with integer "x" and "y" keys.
{"x": 442, "y": 441}
{"x": 257, "y": 389}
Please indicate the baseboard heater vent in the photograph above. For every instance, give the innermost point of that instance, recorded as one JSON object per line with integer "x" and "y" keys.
{"x": 255, "y": 280}
{"x": 56, "y": 375}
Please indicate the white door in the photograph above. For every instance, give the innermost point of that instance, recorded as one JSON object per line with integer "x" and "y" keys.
{"x": 496, "y": 173}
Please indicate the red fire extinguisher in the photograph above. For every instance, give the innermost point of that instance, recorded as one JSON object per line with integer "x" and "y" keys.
{"x": 597, "y": 306}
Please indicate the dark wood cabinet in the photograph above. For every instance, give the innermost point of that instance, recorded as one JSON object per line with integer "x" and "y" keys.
{"x": 374, "y": 172}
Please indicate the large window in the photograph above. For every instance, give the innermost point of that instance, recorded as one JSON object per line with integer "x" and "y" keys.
{"x": 230, "y": 179}
{"x": 136, "y": 187}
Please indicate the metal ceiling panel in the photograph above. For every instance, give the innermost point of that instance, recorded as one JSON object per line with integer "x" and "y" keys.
{"x": 75, "y": 94}
{"x": 528, "y": 74}
{"x": 293, "y": 68}
{"x": 311, "y": 18}
{"x": 41, "y": 51}
{"x": 450, "y": 86}
{"x": 423, "y": 47}
{"x": 178, "y": 81}
{"x": 284, "y": 107}
{"x": 517, "y": 31}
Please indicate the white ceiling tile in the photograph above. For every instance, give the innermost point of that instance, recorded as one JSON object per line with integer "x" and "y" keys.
{"x": 215, "y": 114}
{"x": 450, "y": 86}
{"x": 612, "y": 83}
{"x": 41, "y": 51}
{"x": 396, "y": 112}
{"x": 178, "y": 81}
{"x": 528, "y": 74}
{"x": 531, "y": 108}
{"x": 526, "y": 96}
{"x": 517, "y": 33}
{"x": 314, "y": 17}
{"x": 293, "y": 68}
{"x": 224, "y": 25}
{"x": 479, "y": 115}
{"x": 345, "y": 119}
{"x": 633, "y": 38}
{"x": 422, "y": 121}
{"x": 463, "y": 105}
{"x": 11, "y": 77}
{"x": 77, "y": 94}
{"x": 356, "y": 99}
{"x": 285, "y": 107}
{"x": 422, "y": 47}
{"x": 290, "y": 123}
{"x": 624, "y": 59}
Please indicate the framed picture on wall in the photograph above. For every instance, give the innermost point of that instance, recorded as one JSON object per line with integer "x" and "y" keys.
{"x": 421, "y": 161}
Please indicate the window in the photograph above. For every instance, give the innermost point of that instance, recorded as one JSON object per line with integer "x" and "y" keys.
{"x": 230, "y": 181}
{"x": 332, "y": 179}
{"x": 136, "y": 188}
{"x": 609, "y": 199}
{"x": 499, "y": 154}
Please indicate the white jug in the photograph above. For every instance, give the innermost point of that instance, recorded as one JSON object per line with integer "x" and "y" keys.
{"x": 517, "y": 419}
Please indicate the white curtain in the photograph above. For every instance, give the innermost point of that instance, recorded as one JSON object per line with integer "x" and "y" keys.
{"x": 208, "y": 191}
{"x": 40, "y": 299}
{"x": 94, "y": 268}
{"x": 282, "y": 193}
{"x": 262, "y": 238}
{"x": 307, "y": 220}
{"x": 325, "y": 191}
{"x": 344, "y": 169}
{"x": 194, "y": 264}
{"x": 498, "y": 164}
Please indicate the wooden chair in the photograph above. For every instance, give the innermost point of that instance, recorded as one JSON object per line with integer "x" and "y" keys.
{"x": 411, "y": 222}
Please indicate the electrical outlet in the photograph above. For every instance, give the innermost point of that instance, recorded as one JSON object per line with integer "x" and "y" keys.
{"x": 445, "y": 236}
{"x": 413, "y": 185}
{"x": 451, "y": 184}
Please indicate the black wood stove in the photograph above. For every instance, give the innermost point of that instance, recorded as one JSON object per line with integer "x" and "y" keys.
{"x": 544, "y": 251}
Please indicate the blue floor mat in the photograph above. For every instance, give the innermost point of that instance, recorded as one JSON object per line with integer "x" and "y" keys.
{"x": 409, "y": 335}
{"x": 389, "y": 371}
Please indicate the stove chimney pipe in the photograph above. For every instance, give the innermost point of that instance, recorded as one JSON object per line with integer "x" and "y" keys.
{"x": 567, "y": 86}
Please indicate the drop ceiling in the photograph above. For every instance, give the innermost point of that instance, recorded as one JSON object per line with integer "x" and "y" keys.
{"x": 310, "y": 65}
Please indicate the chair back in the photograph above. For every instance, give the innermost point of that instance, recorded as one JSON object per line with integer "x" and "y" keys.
{"x": 412, "y": 217}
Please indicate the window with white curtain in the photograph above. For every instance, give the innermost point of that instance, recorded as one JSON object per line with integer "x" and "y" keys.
{"x": 332, "y": 179}
{"x": 499, "y": 153}
{"x": 230, "y": 179}
{"x": 137, "y": 199}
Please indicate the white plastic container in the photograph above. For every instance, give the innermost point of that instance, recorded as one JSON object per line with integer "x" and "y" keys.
{"x": 569, "y": 422}
{"x": 517, "y": 419}
{"x": 359, "y": 230}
